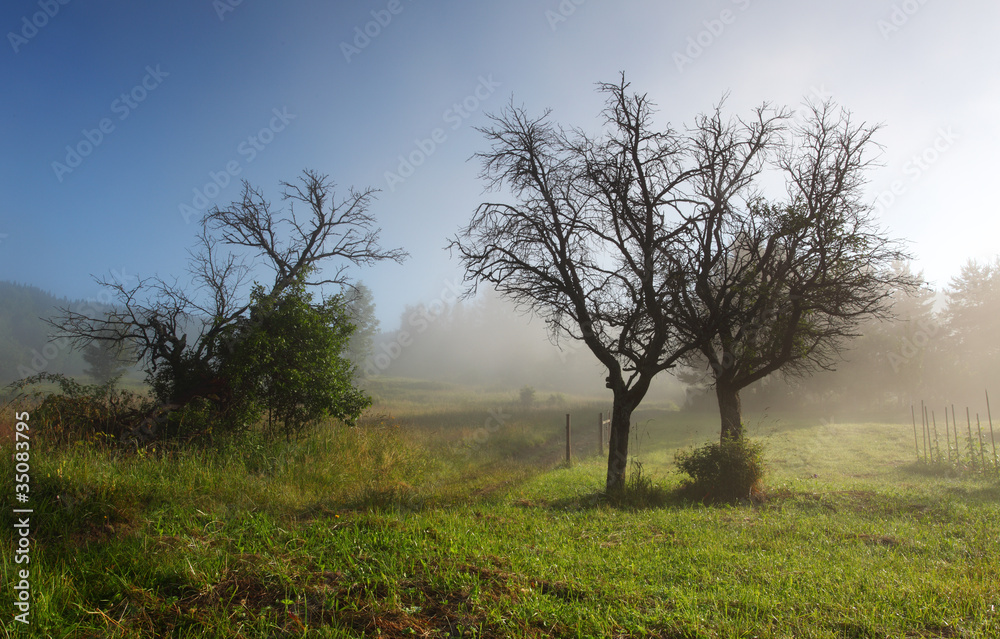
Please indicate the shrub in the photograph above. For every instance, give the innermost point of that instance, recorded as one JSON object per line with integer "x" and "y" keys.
{"x": 723, "y": 472}
{"x": 97, "y": 413}
{"x": 556, "y": 400}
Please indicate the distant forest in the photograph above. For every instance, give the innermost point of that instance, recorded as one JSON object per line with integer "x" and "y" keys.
{"x": 943, "y": 348}
{"x": 25, "y": 348}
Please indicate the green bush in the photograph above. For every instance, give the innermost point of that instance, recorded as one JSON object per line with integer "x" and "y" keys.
{"x": 95, "y": 413}
{"x": 287, "y": 361}
{"x": 723, "y": 472}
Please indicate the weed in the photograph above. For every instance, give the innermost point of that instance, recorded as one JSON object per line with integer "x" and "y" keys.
{"x": 639, "y": 490}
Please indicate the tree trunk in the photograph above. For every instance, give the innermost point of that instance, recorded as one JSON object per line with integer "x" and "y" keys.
{"x": 621, "y": 415}
{"x": 729, "y": 410}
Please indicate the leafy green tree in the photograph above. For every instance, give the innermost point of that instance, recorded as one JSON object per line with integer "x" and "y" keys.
{"x": 103, "y": 361}
{"x": 974, "y": 304}
{"x": 288, "y": 360}
{"x": 107, "y": 359}
{"x": 527, "y": 395}
{"x": 183, "y": 332}
{"x": 890, "y": 363}
{"x": 971, "y": 321}
{"x": 360, "y": 307}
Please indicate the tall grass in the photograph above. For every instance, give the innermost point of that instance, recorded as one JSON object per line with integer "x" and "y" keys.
{"x": 399, "y": 527}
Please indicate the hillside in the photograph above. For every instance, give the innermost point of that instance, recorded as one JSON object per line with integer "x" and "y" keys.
{"x": 24, "y": 336}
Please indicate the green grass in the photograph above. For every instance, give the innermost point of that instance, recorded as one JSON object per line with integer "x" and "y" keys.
{"x": 430, "y": 520}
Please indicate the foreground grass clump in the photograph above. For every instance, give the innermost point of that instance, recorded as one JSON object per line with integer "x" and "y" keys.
{"x": 639, "y": 491}
{"x": 411, "y": 526}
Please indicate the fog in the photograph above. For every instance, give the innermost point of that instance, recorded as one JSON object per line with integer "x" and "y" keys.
{"x": 486, "y": 342}
{"x": 941, "y": 349}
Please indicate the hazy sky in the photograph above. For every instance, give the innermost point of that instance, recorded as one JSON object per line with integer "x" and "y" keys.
{"x": 153, "y": 99}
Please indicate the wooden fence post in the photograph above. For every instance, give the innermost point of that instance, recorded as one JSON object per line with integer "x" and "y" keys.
{"x": 947, "y": 434}
{"x": 937, "y": 444}
{"x": 923, "y": 427}
{"x": 982, "y": 447}
{"x": 992, "y": 438}
{"x": 600, "y": 434}
{"x": 954, "y": 426}
{"x": 568, "y": 455}
{"x": 972, "y": 453}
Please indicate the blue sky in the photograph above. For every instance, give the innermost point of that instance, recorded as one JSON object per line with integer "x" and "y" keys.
{"x": 182, "y": 89}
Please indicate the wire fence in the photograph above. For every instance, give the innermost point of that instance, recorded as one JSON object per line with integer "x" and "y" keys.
{"x": 967, "y": 446}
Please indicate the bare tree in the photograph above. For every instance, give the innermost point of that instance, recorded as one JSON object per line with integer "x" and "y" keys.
{"x": 783, "y": 285}
{"x": 589, "y": 244}
{"x": 656, "y": 248}
{"x": 156, "y": 316}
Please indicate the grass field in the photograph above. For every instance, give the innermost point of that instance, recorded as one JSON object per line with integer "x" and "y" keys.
{"x": 449, "y": 513}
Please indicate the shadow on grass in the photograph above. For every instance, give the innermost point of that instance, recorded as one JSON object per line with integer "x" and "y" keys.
{"x": 986, "y": 494}
{"x": 601, "y": 499}
{"x": 641, "y": 493}
{"x": 952, "y": 470}
{"x": 486, "y": 485}
{"x": 79, "y": 513}
{"x": 649, "y": 497}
